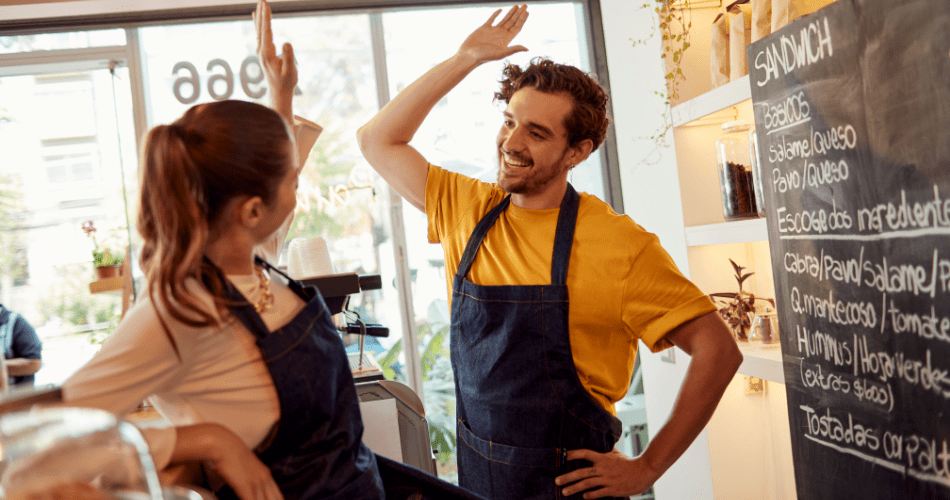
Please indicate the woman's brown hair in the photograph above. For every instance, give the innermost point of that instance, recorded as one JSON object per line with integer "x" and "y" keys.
{"x": 588, "y": 119}
{"x": 190, "y": 170}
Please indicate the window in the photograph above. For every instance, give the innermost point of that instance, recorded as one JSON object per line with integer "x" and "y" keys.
{"x": 59, "y": 41}
{"x": 64, "y": 164}
{"x": 459, "y": 135}
{"x": 340, "y": 198}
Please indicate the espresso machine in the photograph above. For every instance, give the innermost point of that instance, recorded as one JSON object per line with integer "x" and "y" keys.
{"x": 408, "y": 418}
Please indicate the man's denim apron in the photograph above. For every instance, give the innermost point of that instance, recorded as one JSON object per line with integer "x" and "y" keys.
{"x": 520, "y": 403}
{"x": 317, "y": 450}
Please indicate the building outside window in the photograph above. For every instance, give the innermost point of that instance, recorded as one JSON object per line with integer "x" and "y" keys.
{"x": 64, "y": 164}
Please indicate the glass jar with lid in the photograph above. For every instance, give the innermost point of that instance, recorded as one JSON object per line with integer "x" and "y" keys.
{"x": 757, "y": 178}
{"x": 735, "y": 171}
{"x": 765, "y": 327}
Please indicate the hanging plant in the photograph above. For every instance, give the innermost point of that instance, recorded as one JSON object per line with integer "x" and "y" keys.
{"x": 674, "y": 23}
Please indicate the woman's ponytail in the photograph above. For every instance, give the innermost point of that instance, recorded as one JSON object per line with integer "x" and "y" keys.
{"x": 173, "y": 222}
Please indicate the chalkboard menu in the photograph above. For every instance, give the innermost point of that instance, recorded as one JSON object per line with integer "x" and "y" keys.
{"x": 852, "y": 114}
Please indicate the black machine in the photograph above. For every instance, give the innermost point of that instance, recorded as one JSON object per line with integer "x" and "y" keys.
{"x": 336, "y": 290}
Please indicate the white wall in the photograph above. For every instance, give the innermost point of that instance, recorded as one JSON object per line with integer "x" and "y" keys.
{"x": 651, "y": 196}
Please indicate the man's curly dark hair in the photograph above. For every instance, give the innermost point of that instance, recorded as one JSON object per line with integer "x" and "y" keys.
{"x": 588, "y": 120}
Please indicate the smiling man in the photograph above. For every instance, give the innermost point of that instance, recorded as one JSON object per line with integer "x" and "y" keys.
{"x": 552, "y": 289}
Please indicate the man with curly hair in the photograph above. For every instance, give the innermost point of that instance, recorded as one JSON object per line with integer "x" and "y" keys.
{"x": 552, "y": 290}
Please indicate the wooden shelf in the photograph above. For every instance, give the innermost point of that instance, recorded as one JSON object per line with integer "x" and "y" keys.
{"x": 106, "y": 285}
{"x": 761, "y": 361}
{"x": 717, "y": 99}
{"x": 740, "y": 231}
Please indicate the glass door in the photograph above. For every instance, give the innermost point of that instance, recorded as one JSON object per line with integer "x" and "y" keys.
{"x": 69, "y": 152}
{"x": 340, "y": 198}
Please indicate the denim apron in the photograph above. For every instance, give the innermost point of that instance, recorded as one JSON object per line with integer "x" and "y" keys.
{"x": 520, "y": 403}
{"x": 317, "y": 450}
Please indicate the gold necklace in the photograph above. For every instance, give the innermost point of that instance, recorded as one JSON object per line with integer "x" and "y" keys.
{"x": 266, "y": 300}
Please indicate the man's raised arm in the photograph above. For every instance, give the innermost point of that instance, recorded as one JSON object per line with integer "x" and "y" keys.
{"x": 384, "y": 140}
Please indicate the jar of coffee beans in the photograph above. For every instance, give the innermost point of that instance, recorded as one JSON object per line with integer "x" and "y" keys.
{"x": 735, "y": 171}
{"x": 756, "y": 157}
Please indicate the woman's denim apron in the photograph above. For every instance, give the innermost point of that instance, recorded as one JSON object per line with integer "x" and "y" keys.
{"x": 317, "y": 450}
{"x": 520, "y": 403}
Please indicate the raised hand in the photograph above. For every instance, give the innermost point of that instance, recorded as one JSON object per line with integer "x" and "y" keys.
{"x": 490, "y": 42}
{"x": 280, "y": 71}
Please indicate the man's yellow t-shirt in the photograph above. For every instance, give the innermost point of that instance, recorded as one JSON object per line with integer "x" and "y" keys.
{"x": 622, "y": 285}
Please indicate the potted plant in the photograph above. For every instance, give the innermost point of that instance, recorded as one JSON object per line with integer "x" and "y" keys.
{"x": 106, "y": 261}
{"x": 735, "y": 308}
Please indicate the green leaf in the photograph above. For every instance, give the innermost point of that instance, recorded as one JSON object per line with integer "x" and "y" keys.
{"x": 434, "y": 350}
{"x": 389, "y": 358}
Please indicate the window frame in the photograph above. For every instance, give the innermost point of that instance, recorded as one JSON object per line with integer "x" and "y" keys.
{"x": 130, "y": 55}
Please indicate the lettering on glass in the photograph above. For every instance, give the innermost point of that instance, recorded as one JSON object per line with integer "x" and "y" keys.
{"x": 219, "y": 82}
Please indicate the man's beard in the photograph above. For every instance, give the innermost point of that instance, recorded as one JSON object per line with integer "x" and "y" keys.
{"x": 534, "y": 179}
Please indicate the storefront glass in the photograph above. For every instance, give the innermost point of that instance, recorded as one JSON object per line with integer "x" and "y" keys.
{"x": 340, "y": 199}
{"x": 68, "y": 147}
{"x": 338, "y": 196}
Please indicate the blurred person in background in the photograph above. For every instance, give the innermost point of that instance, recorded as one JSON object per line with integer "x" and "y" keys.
{"x": 22, "y": 349}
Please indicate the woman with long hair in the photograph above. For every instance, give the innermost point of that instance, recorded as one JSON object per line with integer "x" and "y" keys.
{"x": 248, "y": 368}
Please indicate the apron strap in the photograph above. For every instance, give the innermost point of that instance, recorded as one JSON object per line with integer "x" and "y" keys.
{"x": 563, "y": 238}
{"x": 475, "y": 240}
{"x": 244, "y": 310}
{"x": 304, "y": 292}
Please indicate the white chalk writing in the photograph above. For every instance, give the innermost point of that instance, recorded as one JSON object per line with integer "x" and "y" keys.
{"x": 835, "y": 311}
{"x": 793, "y": 51}
{"x": 887, "y": 366}
{"x": 925, "y": 458}
{"x": 903, "y": 215}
